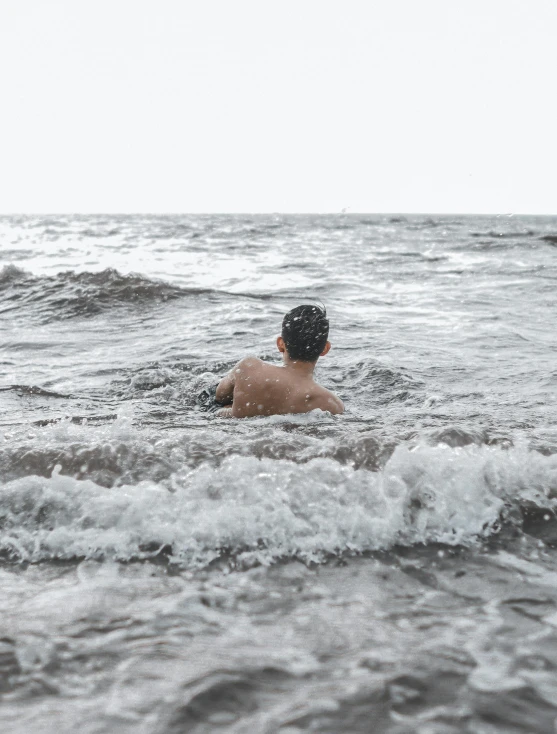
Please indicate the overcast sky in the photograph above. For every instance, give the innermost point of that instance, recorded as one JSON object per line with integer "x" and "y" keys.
{"x": 268, "y": 105}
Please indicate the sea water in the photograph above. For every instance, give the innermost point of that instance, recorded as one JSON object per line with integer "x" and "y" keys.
{"x": 393, "y": 569}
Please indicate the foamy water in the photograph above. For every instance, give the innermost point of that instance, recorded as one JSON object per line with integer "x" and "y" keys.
{"x": 165, "y": 570}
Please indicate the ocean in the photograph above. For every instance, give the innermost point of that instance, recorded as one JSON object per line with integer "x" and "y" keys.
{"x": 164, "y": 570}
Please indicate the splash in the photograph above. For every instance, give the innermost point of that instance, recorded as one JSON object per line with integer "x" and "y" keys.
{"x": 262, "y": 510}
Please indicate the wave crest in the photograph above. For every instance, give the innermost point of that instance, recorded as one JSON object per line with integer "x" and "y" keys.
{"x": 261, "y": 510}
{"x": 73, "y": 294}
{"x": 11, "y": 273}
{"x": 70, "y": 294}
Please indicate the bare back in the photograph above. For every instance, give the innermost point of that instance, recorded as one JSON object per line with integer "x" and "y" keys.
{"x": 260, "y": 388}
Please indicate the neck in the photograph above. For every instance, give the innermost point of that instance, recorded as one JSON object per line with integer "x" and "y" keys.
{"x": 302, "y": 369}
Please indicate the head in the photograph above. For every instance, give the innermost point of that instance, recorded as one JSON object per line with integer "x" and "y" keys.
{"x": 305, "y": 332}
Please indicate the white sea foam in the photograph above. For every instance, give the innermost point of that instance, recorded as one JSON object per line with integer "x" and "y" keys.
{"x": 264, "y": 509}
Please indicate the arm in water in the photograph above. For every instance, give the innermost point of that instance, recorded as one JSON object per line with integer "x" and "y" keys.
{"x": 225, "y": 388}
{"x": 225, "y": 391}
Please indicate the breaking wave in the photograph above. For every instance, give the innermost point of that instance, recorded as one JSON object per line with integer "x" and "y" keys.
{"x": 262, "y": 510}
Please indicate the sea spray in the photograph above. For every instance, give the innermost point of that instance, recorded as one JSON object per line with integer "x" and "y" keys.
{"x": 276, "y": 508}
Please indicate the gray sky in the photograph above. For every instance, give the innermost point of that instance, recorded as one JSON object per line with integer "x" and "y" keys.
{"x": 305, "y": 105}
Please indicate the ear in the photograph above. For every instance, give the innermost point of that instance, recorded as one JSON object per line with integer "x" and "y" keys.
{"x": 280, "y": 344}
{"x": 325, "y": 351}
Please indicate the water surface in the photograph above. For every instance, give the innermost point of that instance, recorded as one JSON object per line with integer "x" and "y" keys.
{"x": 389, "y": 570}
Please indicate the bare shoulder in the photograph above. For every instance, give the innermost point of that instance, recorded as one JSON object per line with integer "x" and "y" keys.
{"x": 247, "y": 365}
{"x": 330, "y": 402}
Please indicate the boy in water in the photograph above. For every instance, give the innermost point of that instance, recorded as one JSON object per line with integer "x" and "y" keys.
{"x": 254, "y": 387}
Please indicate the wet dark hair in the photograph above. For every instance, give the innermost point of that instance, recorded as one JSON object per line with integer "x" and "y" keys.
{"x": 305, "y": 330}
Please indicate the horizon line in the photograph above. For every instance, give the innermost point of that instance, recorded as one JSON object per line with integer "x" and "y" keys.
{"x": 275, "y": 213}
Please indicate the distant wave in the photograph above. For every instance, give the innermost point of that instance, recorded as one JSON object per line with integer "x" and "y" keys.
{"x": 504, "y": 235}
{"x": 32, "y": 390}
{"x": 70, "y": 294}
{"x": 11, "y": 274}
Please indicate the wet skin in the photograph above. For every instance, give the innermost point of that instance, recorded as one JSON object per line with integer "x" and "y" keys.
{"x": 256, "y": 388}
